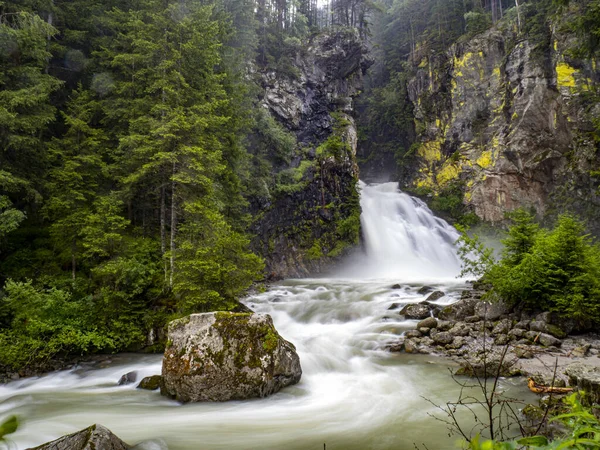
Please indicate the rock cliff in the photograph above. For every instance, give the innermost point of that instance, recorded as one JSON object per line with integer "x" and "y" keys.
{"x": 506, "y": 121}
{"x": 313, "y": 215}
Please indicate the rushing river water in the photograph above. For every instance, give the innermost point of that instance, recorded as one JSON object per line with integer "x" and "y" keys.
{"x": 353, "y": 393}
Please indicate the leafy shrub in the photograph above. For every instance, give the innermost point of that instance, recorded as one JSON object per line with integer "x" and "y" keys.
{"x": 556, "y": 269}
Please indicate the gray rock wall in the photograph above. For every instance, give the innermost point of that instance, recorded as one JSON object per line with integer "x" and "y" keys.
{"x": 505, "y": 117}
{"x": 304, "y": 231}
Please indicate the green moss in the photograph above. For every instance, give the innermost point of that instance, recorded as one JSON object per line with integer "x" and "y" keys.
{"x": 315, "y": 252}
{"x": 270, "y": 340}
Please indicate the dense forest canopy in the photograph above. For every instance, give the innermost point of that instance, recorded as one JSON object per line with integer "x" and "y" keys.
{"x": 126, "y": 165}
{"x": 132, "y": 148}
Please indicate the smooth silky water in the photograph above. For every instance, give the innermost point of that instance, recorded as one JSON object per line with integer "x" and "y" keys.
{"x": 353, "y": 393}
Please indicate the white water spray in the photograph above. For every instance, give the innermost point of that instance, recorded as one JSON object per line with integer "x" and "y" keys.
{"x": 403, "y": 238}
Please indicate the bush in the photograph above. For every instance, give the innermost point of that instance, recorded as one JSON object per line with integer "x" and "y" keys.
{"x": 557, "y": 270}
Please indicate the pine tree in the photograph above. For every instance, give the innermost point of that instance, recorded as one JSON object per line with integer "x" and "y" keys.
{"x": 25, "y": 112}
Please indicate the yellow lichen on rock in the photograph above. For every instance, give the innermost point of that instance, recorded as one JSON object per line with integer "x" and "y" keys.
{"x": 449, "y": 171}
{"x": 485, "y": 160}
{"x": 564, "y": 75}
{"x": 431, "y": 151}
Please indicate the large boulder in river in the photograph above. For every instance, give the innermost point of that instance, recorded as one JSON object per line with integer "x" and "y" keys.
{"x": 95, "y": 437}
{"x": 227, "y": 356}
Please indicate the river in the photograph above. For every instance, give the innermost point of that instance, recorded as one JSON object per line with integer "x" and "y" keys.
{"x": 353, "y": 393}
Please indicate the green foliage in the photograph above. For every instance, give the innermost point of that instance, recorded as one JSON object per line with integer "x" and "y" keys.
{"x": 476, "y": 22}
{"x": 556, "y": 269}
{"x": 582, "y": 431}
{"x": 128, "y": 210}
{"x": 477, "y": 259}
{"x": 45, "y": 324}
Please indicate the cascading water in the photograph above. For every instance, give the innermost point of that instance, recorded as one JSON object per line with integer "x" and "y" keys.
{"x": 403, "y": 237}
{"x": 354, "y": 395}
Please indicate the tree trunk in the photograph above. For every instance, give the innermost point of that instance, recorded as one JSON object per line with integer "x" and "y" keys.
{"x": 73, "y": 261}
{"x": 163, "y": 231}
{"x": 173, "y": 227}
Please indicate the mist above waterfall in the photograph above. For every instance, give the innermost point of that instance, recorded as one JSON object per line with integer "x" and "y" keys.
{"x": 402, "y": 238}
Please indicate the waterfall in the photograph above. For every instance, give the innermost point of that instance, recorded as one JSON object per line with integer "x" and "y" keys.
{"x": 402, "y": 236}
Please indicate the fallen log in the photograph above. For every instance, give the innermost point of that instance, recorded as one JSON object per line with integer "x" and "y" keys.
{"x": 538, "y": 389}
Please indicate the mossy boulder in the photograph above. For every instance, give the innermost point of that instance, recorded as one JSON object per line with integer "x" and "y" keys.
{"x": 150, "y": 383}
{"x": 95, "y": 437}
{"x": 227, "y": 356}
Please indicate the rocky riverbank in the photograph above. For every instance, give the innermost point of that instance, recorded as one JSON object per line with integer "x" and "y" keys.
{"x": 488, "y": 339}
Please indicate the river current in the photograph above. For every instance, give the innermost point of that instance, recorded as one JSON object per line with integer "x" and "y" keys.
{"x": 353, "y": 394}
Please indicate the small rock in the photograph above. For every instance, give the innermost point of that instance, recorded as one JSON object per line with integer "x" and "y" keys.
{"x": 501, "y": 339}
{"x": 396, "y": 286}
{"x": 410, "y": 346}
{"x": 523, "y": 352}
{"x": 430, "y": 322}
{"x": 413, "y": 334}
{"x": 128, "y": 378}
{"x": 424, "y": 290}
{"x": 460, "y": 329}
{"x": 397, "y": 346}
{"x": 458, "y": 310}
{"x": 92, "y": 438}
{"x": 424, "y": 330}
{"x": 547, "y": 328}
{"x": 472, "y": 319}
{"x": 516, "y": 333}
{"x": 523, "y": 324}
{"x": 502, "y": 327}
{"x": 415, "y": 311}
{"x": 488, "y": 365}
{"x": 394, "y": 305}
{"x": 426, "y": 341}
{"x": 549, "y": 341}
{"x": 445, "y": 325}
{"x": 150, "y": 383}
{"x": 457, "y": 343}
{"x": 442, "y": 337}
{"x": 490, "y": 311}
{"x": 435, "y": 296}
{"x": 580, "y": 351}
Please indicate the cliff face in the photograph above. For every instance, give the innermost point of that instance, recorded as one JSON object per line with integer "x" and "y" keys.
{"x": 507, "y": 121}
{"x": 304, "y": 226}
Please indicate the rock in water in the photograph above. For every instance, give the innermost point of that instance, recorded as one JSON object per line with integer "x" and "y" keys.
{"x": 128, "y": 378}
{"x": 227, "y": 356}
{"x": 95, "y": 437}
{"x": 150, "y": 383}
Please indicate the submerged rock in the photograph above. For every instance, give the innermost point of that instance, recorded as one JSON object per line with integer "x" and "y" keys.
{"x": 128, "y": 378}
{"x": 95, "y": 437}
{"x": 150, "y": 383}
{"x": 425, "y": 290}
{"x": 436, "y": 295}
{"x": 227, "y": 356}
